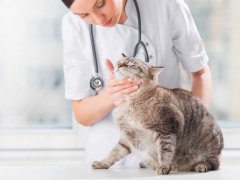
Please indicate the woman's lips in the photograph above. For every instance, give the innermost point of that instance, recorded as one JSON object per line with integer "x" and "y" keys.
{"x": 107, "y": 23}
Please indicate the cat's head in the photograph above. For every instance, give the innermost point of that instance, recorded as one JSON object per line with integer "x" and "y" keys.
{"x": 136, "y": 69}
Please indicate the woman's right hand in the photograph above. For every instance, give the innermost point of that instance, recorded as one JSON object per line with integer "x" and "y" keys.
{"x": 119, "y": 89}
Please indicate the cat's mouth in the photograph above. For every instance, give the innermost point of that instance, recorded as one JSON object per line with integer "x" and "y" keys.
{"x": 118, "y": 70}
{"x": 122, "y": 72}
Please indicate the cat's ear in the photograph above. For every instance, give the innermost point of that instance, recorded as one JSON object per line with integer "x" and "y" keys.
{"x": 154, "y": 70}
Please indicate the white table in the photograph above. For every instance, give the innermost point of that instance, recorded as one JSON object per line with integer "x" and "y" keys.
{"x": 62, "y": 168}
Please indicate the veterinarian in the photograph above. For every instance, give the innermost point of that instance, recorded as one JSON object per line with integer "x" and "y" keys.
{"x": 168, "y": 33}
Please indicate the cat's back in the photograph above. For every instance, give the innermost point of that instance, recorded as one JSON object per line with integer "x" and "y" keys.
{"x": 188, "y": 104}
{"x": 173, "y": 96}
{"x": 182, "y": 93}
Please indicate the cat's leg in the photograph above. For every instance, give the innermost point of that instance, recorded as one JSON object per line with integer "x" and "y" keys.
{"x": 119, "y": 151}
{"x": 166, "y": 128}
{"x": 165, "y": 148}
{"x": 214, "y": 161}
{"x": 149, "y": 164}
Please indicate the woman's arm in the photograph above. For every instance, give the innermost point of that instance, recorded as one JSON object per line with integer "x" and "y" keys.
{"x": 189, "y": 49}
{"x": 202, "y": 85}
{"x": 92, "y": 109}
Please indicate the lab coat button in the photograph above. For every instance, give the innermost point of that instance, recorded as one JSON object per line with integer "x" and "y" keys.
{"x": 150, "y": 56}
{"x": 146, "y": 44}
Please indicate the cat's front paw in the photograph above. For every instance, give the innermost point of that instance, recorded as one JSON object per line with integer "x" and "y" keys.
{"x": 163, "y": 170}
{"x": 100, "y": 165}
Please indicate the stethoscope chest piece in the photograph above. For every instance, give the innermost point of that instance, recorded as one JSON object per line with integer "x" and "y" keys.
{"x": 96, "y": 83}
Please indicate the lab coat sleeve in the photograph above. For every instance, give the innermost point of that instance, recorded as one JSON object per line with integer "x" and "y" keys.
{"x": 77, "y": 68}
{"x": 187, "y": 42}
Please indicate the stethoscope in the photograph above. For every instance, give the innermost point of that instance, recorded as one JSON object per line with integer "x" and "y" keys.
{"x": 96, "y": 82}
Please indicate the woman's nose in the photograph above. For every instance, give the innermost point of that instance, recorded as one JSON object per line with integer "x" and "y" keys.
{"x": 99, "y": 18}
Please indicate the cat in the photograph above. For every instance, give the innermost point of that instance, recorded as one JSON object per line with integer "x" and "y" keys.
{"x": 170, "y": 128}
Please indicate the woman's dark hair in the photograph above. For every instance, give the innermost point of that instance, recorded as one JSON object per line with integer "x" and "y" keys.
{"x": 68, "y": 3}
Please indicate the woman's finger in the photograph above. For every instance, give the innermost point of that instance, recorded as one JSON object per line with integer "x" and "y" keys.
{"x": 126, "y": 91}
{"x": 110, "y": 68}
{"x": 117, "y": 82}
{"x": 118, "y": 88}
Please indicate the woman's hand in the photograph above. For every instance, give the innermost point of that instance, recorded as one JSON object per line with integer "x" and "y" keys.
{"x": 119, "y": 89}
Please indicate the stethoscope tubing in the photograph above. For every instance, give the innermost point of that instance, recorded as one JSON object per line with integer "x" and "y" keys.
{"x": 96, "y": 77}
{"x": 140, "y": 42}
{"x": 93, "y": 49}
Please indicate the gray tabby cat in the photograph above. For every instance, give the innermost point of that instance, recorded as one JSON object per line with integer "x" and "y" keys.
{"x": 170, "y": 128}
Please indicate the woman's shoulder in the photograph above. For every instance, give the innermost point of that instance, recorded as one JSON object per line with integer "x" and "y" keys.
{"x": 161, "y": 3}
{"x": 160, "y": 7}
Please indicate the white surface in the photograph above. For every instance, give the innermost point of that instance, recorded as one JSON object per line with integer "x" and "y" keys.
{"x": 69, "y": 168}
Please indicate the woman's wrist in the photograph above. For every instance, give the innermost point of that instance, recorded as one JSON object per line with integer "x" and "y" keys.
{"x": 107, "y": 98}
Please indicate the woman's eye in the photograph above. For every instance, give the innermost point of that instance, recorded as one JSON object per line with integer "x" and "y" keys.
{"x": 101, "y": 4}
{"x": 84, "y": 16}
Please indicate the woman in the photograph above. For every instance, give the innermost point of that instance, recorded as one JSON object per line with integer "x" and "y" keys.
{"x": 171, "y": 38}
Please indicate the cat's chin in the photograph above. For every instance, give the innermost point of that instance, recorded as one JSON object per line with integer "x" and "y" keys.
{"x": 119, "y": 75}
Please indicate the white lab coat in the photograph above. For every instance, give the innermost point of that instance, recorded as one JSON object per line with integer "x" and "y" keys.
{"x": 171, "y": 37}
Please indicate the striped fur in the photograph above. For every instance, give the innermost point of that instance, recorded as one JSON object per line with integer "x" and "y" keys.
{"x": 171, "y": 129}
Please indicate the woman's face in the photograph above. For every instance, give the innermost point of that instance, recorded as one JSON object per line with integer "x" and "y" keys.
{"x": 100, "y": 12}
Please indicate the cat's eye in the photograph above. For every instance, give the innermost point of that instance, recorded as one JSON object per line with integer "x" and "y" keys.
{"x": 131, "y": 62}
